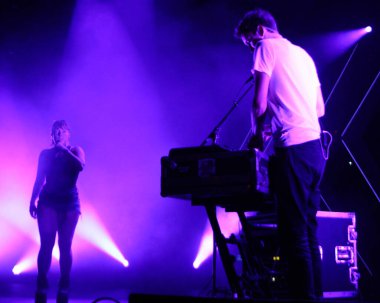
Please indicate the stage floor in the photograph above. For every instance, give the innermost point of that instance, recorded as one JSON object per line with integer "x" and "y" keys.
{"x": 22, "y": 291}
{"x": 29, "y": 298}
{"x": 88, "y": 288}
{"x": 52, "y": 300}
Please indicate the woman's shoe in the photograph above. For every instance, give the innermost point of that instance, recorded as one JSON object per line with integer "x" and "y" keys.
{"x": 40, "y": 298}
{"x": 62, "y": 297}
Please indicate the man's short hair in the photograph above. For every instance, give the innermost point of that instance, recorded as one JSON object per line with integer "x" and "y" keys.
{"x": 254, "y": 18}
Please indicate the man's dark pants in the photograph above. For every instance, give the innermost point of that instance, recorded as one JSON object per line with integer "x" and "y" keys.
{"x": 298, "y": 171}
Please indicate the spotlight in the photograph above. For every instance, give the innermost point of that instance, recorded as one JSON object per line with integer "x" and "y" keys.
{"x": 229, "y": 223}
{"x": 94, "y": 231}
{"x": 368, "y": 29}
{"x": 17, "y": 269}
{"x": 23, "y": 266}
{"x": 196, "y": 264}
{"x": 205, "y": 249}
{"x": 125, "y": 263}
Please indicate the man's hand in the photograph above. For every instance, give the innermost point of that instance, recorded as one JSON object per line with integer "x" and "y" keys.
{"x": 256, "y": 141}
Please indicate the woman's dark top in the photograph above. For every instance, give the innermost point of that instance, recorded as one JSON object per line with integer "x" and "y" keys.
{"x": 61, "y": 171}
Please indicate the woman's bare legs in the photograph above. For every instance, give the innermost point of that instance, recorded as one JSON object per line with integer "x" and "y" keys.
{"x": 48, "y": 226}
{"x": 67, "y": 223}
{"x": 50, "y": 222}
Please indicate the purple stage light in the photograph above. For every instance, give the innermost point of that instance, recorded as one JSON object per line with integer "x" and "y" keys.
{"x": 94, "y": 232}
{"x": 334, "y": 44}
{"x": 205, "y": 249}
{"x": 229, "y": 224}
{"x": 24, "y": 265}
{"x": 17, "y": 225}
{"x": 28, "y": 262}
{"x": 89, "y": 229}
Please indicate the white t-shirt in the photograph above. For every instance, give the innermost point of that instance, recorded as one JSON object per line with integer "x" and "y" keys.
{"x": 293, "y": 87}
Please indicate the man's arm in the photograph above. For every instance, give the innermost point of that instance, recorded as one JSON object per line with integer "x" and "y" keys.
{"x": 320, "y": 103}
{"x": 259, "y": 107}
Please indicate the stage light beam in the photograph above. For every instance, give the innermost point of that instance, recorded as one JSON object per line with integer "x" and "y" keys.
{"x": 23, "y": 266}
{"x": 229, "y": 224}
{"x": 95, "y": 232}
{"x": 338, "y": 42}
{"x": 29, "y": 261}
{"x": 205, "y": 249}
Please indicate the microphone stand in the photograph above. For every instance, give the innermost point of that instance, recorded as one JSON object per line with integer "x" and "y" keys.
{"x": 213, "y": 136}
{"x": 212, "y": 139}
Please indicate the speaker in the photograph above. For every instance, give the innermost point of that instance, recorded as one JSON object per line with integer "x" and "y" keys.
{"x": 338, "y": 240}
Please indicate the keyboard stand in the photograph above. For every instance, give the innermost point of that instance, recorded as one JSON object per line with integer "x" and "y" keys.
{"x": 224, "y": 253}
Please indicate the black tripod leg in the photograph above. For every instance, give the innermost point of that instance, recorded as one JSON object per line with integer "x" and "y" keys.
{"x": 224, "y": 252}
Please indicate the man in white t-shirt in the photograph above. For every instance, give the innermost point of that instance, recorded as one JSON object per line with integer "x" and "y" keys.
{"x": 287, "y": 91}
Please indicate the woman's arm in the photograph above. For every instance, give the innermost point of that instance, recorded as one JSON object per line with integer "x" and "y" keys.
{"x": 76, "y": 153}
{"x": 38, "y": 183}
